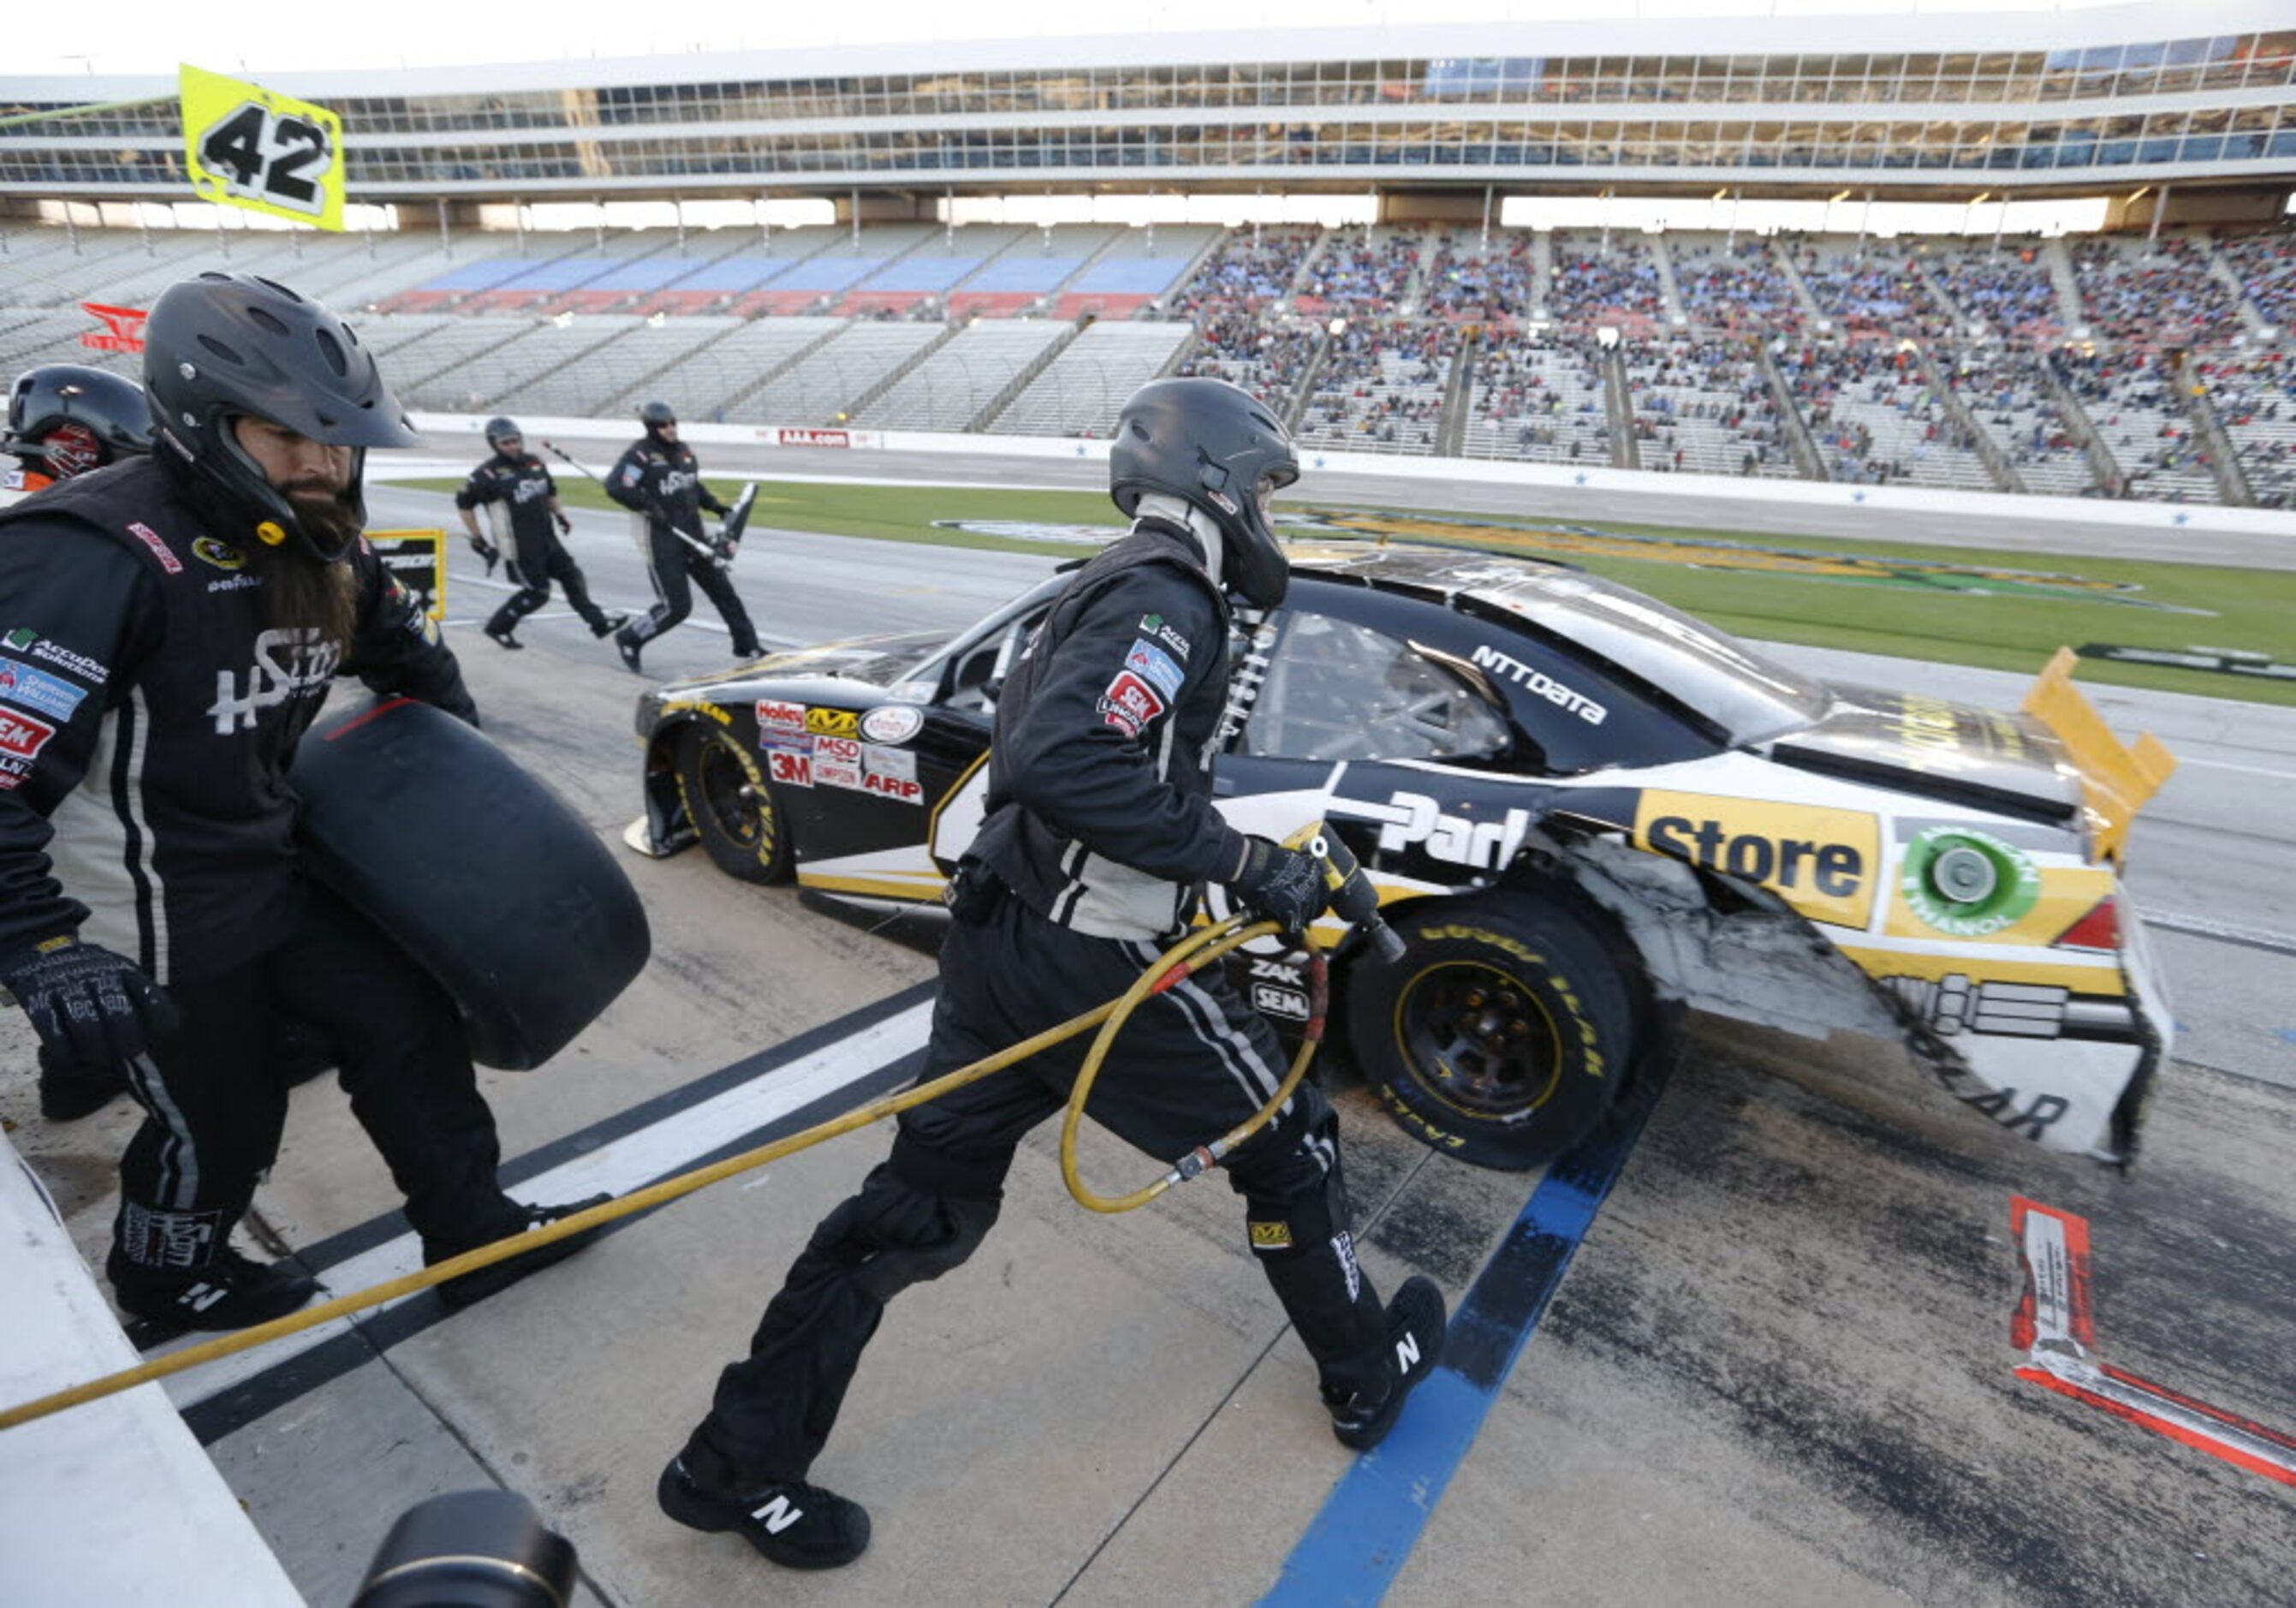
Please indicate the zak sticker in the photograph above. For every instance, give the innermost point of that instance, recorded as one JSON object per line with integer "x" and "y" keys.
{"x": 1156, "y": 664}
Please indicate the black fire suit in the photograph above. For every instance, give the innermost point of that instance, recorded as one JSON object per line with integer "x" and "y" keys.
{"x": 1100, "y": 822}
{"x": 148, "y": 717}
{"x": 661, "y": 483}
{"x": 516, "y": 495}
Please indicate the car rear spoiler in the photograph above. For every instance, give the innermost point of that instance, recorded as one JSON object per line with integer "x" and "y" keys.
{"x": 2116, "y": 779}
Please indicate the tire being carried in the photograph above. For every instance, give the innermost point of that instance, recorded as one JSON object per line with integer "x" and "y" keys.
{"x": 731, "y": 805}
{"x": 1503, "y": 1034}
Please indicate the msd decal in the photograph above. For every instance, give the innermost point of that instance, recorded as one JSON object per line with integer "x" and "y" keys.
{"x": 160, "y": 548}
{"x": 837, "y": 762}
{"x": 1130, "y": 703}
{"x": 23, "y": 736}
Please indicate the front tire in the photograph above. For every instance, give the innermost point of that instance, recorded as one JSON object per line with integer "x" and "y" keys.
{"x": 731, "y": 805}
{"x": 1503, "y": 1034}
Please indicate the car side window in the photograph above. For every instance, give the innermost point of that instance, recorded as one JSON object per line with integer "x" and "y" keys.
{"x": 1336, "y": 690}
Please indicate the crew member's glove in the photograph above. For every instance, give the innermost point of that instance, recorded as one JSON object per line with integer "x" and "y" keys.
{"x": 565, "y": 525}
{"x": 89, "y": 1006}
{"x": 487, "y": 551}
{"x": 709, "y": 501}
{"x": 1284, "y": 885}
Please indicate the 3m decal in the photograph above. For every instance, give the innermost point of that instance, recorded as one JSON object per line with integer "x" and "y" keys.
{"x": 833, "y": 723}
{"x": 1130, "y": 703}
{"x": 1271, "y": 1236}
{"x": 892, "y": 723}
{"x": 1540, "y": 684}
{"x": 1146, "y": 658}
{"x": 23, "y": 736}
{"x": 837, "y": 762}
{"x": 37, "y": 690}
{"x": 1967, "y": 884}
{"x": 789, "y": 768}
{"x": 773, "y": 716}
{"x": 223, "y": 555}
{"x": 159, "y": 549}
{"x": 1410, "y": 819}
{"x": 1821, "y": 861}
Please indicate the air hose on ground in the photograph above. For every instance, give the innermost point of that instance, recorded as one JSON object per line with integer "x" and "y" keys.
{"x": 1353, "y": 899}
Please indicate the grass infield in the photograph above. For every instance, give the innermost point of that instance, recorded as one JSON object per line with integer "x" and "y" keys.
{"x": 2246, "y": 609}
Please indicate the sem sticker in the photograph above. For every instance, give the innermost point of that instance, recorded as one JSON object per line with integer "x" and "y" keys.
{"x": 22, "y": 736}
{"x": 1130, "y": 703}
{"x": 892, "y": 723}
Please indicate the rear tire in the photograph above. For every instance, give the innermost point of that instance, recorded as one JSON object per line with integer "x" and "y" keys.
{"x": 731, "y": 805}
{"x": 1505, "y": 1032}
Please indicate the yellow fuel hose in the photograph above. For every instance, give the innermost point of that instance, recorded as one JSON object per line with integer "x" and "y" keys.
{"x": 1197, "y": 949}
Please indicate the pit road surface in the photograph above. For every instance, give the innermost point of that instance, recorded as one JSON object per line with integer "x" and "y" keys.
{"x": 1777, "y": 1371}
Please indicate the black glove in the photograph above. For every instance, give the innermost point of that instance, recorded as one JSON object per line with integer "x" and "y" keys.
{"x": 487, "y": 551}
{"x": 90, "y": 1008}
{"x": 1283, "y": 884}
{"x": 565, "y": 525}
{"x": 709, "y": 501}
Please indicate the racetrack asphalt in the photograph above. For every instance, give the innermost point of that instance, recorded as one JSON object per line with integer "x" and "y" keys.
{"x": 1778, "y": 1370}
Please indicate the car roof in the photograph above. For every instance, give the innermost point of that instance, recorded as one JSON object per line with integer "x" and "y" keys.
{"x": 1747, "y": 695}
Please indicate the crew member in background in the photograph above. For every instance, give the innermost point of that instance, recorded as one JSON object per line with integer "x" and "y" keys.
{"x": 174, "y": 622}
{"x": 521, "y": 501}
{"x": 1100, "y": 829}
{"x": 66, "y": 419}
{"x": 659, "y": 481}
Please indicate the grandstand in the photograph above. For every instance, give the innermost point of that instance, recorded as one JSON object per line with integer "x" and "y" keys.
{"x": 2143, "y": 360}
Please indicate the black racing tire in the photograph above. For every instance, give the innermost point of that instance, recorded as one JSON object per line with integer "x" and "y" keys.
{"x": 1506, "y": 1031}
{"x": 731, "y": 805}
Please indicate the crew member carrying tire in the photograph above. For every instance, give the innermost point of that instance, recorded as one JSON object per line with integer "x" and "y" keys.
{"x": 65, "y": 419}
{"x": 176, "y": 622}
{"x": 521, "y": 503}
{"x": 659, "y": 481}
{"x": 1100, "y": 827}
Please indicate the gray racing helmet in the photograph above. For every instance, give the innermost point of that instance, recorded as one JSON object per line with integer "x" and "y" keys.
{"x": 1217, "y": 447}
{"x": 69, "y": 418}
{"x": 224, "y": 345}
{"x": 500, "y": 430}
{"x": 654, "y": 414}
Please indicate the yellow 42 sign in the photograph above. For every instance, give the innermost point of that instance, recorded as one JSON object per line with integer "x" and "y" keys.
{"x": 246, "y": 146}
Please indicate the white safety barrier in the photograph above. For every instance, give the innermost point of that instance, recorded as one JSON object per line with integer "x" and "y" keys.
{"x": 114, "y": 1501}
{"x": 1704, "y": 489}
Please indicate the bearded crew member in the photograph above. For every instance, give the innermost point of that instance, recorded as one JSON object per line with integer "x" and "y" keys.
{"x": 65, "y": 419}
{"x": 521, "y": 501}
{"x": 659, "y": 481}
{"x": 177, "y": 621}
{"x": 1100, "y": 825}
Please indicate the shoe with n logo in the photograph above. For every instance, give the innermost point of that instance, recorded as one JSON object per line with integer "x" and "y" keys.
{"x": 1415, "y": 1320}
{"x": 794, "y": 1524}
{"x": 231, "y": 1292}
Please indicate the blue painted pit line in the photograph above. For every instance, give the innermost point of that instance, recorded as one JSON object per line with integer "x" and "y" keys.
{"x": 1356, "y": 1545}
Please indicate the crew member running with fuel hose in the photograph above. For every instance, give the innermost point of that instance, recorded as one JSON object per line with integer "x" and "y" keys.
{"x": 658, "y": 480}
{"x": 1100, "y": 826}
{"x": 521, "y": 501}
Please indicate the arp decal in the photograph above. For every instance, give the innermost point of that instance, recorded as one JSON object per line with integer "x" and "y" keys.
{"x": 1410, "y": 819}
{"x": 1130, "y": 703}
{"x": 1540, "y": 684}
{"x": 833, "y": 723}
{"x": 892, "y": 723}
{"x": 1823, "y": 862}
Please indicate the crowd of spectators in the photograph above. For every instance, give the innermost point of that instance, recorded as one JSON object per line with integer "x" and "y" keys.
{"x": 1541, "y": 398}
{"x": 1251, "y": 268}
{"x": 1269, "y": 358}
{"x": 2166, "y": 294}
{"x": 1875, "y": 419}
{"x": 1877, "y": 294}
{"x": 2008, "y": 290}
{"x": 1475, "y": 284}
{"x": 1737, "y": 286}
{"x": 1704, "y": 406}
{"x": 1381, "y": 388}
{"x": 2254, "y": 394}
{"x": 2266, "y": 266}
{"x": 1598, "y": 285}
{"x": 2010, "y": 398}
{"x": 2132, "y": 399}
{"x": 1364, "y": 271}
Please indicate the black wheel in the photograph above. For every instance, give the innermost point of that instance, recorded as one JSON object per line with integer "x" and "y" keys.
{"x": 731, "y": 805}
{"x": 1503, "y": 1034}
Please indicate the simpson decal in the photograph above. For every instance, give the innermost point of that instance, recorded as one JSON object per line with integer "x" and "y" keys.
{"x": 1130, "y": 703}
{"x": 1825, "y": 863}
{"x": 159, "y": 549}
{"x": 1146, "y": 658}
{"x": 837, "y": 761}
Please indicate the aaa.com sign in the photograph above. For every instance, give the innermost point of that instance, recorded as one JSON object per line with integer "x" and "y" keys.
{"x": 122, "y": 331}
{"x": 784, "y": 437}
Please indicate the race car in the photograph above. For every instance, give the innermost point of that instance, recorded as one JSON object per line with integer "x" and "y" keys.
{"x": 1582, "y": 807}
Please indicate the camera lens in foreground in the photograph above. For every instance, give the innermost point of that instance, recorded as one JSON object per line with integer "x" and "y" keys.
{"x": 471, "y": 1549}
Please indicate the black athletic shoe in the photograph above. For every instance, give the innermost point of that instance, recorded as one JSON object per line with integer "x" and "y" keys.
{"x": 482, "y": 1281}
{"x": 609, "y": 624}
{"x": 230, "y": 1293}
{"x": 796, "y": 1525}
{"x": 629, "y": 650}
{"x": 1414, "y": 1337}
{"x": 504, "y": 637}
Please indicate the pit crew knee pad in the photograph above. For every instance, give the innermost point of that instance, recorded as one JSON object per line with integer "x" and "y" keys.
{"x": 930, "y": 1236}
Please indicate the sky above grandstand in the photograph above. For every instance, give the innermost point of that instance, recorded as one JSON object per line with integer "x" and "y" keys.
{"x": 153, "y": 36}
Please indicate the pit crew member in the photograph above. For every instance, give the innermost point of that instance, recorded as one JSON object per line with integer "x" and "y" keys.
{"x": 515, "y": 489}
{"x": 659, "y": 481}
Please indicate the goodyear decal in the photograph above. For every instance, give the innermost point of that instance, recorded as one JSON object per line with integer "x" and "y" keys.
{"x": 1823, "y": 862}
{"x": 698, "y": 706}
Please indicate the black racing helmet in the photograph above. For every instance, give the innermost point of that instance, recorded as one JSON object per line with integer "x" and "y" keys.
{"x": 1217, "y": 447}
{"x": 67, "y": 419}
{"x": 226, "y": 344}
{"x": 500, "y": 430}
{"x": 654, "y": 414}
